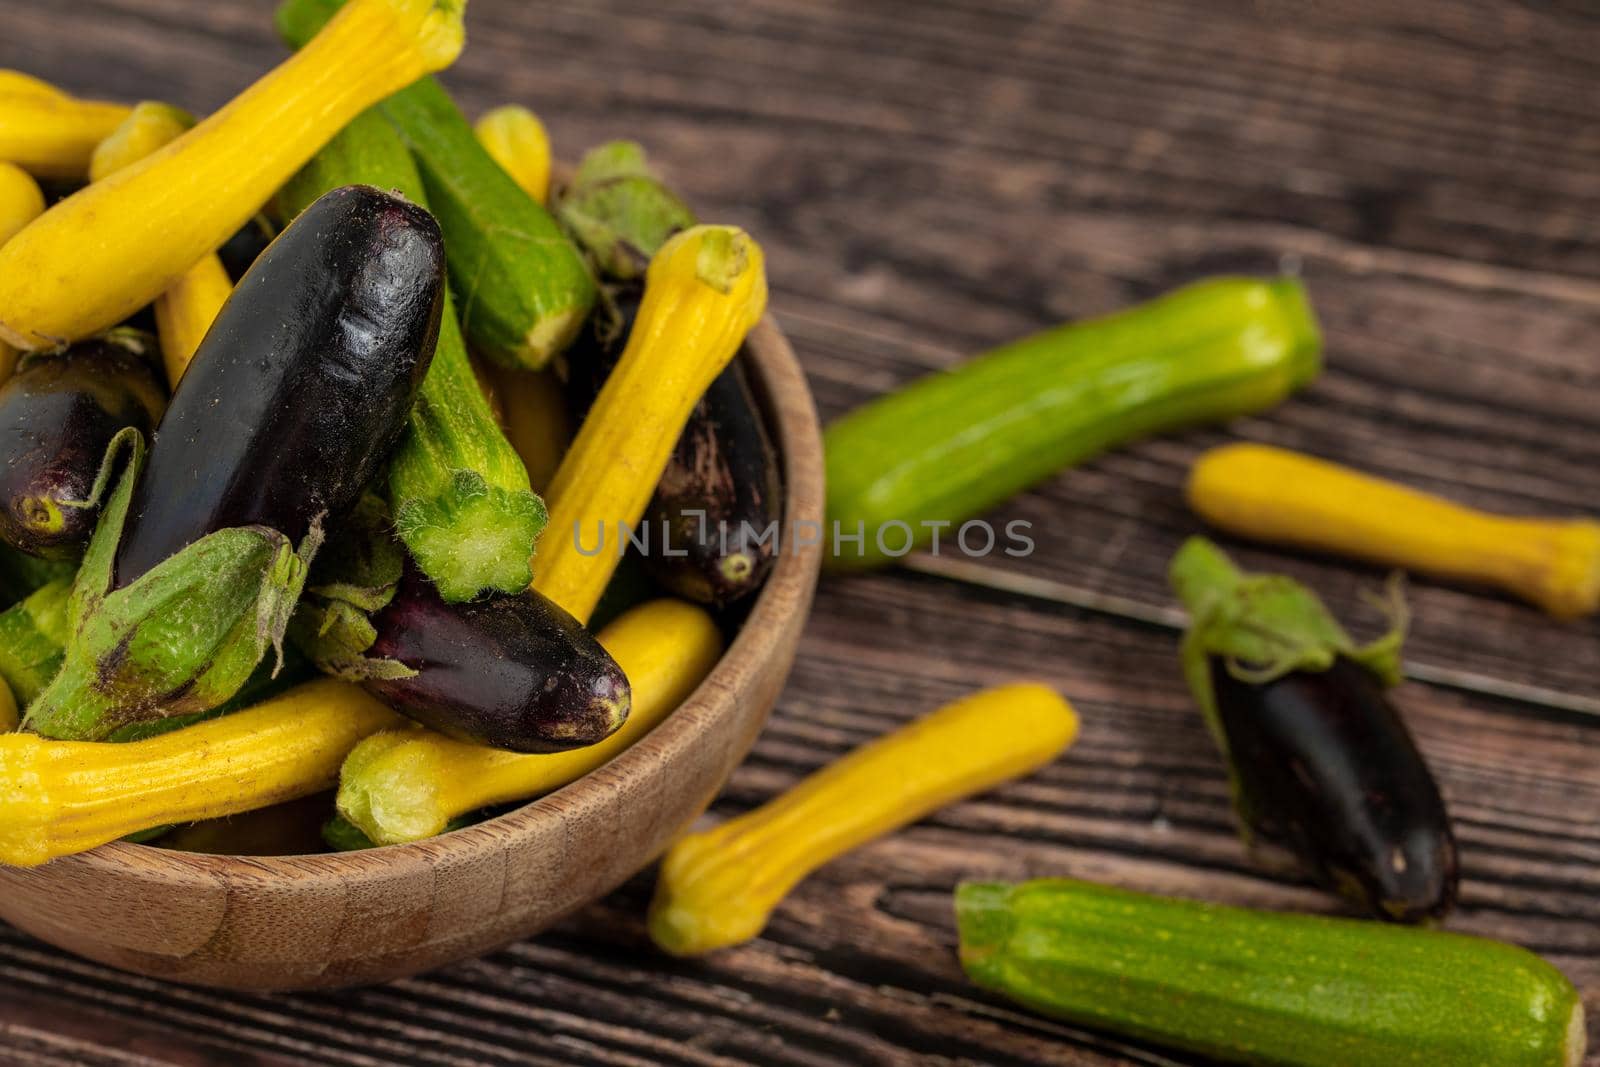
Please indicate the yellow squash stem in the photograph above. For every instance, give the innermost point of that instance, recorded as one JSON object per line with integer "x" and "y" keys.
{"x": 406, "y": 785}
{"x": 516, "y": 139}
{"x": 1283, "y": 497}
{"x": 533, "y": 414}
{"x": 16, "y": 83}
{"x": 62, "y": 797}
{"x": 8, "y": 708}
{"x": 184, "y": 312}
{"x": 101, "y": 254}
{"x": 53, "y": 136}
{"x": 704, "y": 291}
{"x": 21, "y": 201}
{"x": 718, "y": 888}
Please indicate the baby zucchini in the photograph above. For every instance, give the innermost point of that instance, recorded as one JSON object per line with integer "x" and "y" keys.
{"x": 1321, "y": 762}
{"x": 522, "y": 289}
{"x": 717, "y": 888}
{"x": 952, "y": 445}
{"x": 1258, "y": 987}
{"x": 1282, "y": 497}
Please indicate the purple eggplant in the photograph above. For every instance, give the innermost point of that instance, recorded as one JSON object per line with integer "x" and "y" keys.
{"x": 302, "y": 386}
{"x": 58, "y": 414}
{"x": 1321, "y": 762}
{"x": 720, "y": 499}
{"x": 1327, "y": 769}
{"x": 513, "y": 672}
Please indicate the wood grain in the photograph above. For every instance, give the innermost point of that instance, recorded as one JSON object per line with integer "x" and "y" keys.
{"x": 931, "y": 177}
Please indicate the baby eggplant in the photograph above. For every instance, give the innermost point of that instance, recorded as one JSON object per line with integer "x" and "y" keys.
{"x": 58, "y": 414}
{"x": 302, "y": 386}
{"x": 1331, "y": 773}
{"x": 514, "y": 672}
{"x": 510, "y": 671}
{"x": 1321, "y": 762}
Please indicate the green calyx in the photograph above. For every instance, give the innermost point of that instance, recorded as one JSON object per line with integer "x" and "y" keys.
{"x": 619, "y": 211}
{"x": 354, "y": 579}
{"x": 179, "y": 640}
{"x": 1264, "y": 626}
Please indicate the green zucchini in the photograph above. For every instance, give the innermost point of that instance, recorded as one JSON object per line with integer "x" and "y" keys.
{"x": 1259, "y": 987}
{"x": 457, "y": 489}
{"x": 523, "y": 288}
{"x": 33, "y": 637}
{"x": 953, "y": 445}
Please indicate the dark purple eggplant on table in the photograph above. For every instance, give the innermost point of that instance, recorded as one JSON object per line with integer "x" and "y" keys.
{"x": 719, "y": 500}
{"x": 1321, "y": 762}
{"x": 58, "y": 414}
{"x": 511, "y": 671}
{"x": 290, "y": 407}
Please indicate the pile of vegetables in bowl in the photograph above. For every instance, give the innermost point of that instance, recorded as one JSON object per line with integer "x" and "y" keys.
{"x": 286, "y": 380}
{"x": 287, "y": 500}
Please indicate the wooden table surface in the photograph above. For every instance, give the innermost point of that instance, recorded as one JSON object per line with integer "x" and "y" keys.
{"x": 932, "y": 177}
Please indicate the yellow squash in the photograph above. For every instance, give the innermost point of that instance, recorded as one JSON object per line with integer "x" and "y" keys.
{"x": 21, "y": 201}
{"x": 717, "y": 888}
{"x": 62, "y": 797}
{"x": 184, "y": 312}
{"x": 405, "y": 785}
{"x": 516, "y": 139}
{"x": 16, "y": 83}
{"x": 705, "y": 289}
{"x": 103, "y": 253}
{"x": 533, "y": 413}
{"x": 149, "y": 126}
{"x": 1283, "y": 497}
{"x": 52, "y": 135}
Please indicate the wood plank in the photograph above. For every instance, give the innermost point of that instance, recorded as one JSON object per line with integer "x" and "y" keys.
{"x": 858, "y": 966}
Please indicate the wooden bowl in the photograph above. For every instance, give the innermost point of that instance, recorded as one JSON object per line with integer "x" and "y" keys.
{"x": 306, "y": 922}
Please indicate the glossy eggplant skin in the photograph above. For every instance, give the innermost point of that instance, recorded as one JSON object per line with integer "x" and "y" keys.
{"x": 1326, "y": 767}
{"x": 720, "y": 497}
{"x": 58, "y": 413}
{"x": 511, "y": 672}
{"x": 303, "y": 384}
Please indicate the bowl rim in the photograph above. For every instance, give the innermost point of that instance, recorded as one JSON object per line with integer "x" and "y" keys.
{"x": 782, "y": 390}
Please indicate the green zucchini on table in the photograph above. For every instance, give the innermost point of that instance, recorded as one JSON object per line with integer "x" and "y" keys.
{"x": 522, "y": 288}
{"x": 1258, "y": 987}
{"x": 952, "y": 445}
{"x": 458, "y": 491}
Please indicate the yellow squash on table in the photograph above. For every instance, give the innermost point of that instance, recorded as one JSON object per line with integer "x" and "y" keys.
{"x": 1282, "y": 497}
{"x": 717, "y": 888}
